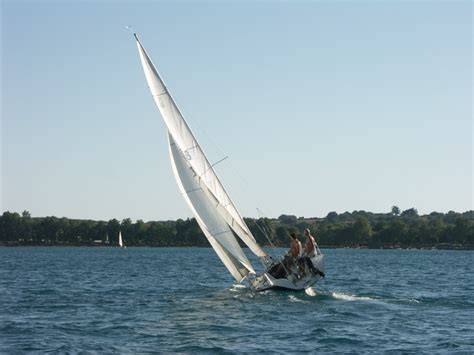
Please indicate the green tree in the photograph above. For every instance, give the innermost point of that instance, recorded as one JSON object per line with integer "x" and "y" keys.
{"x": 332, "y": 217}
{"x": 139, "y": 231}
{"x": 410, "y": 213}
{"x": 461, "y": 230}
{"x": 361, "y": 231}
{"x": 391, "y": 234}
{"x": 287, "y": 219}
{"x": 261, "y": 229}
{"x": 112, "y": 230}
{"x": 10, "y": 227}
{"x": 100, "y": 232}
{"x": 25, "y": 214}
{"x": 281, "y": 236}
{"x": 162, "y": 234}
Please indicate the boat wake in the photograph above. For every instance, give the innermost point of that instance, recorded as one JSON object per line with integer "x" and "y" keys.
{"x": 350, "y": 297}
{"x": 341, "y": 296}
{"x": 237, "y": 287}
{"x": 312, "y": 294}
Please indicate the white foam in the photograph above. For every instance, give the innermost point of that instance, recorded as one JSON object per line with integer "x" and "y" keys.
{"x": 348, "y": 297}
{"x": 294, "y": 299}
{"x": 237, "y": 288}
{"x": 310, "y": 291}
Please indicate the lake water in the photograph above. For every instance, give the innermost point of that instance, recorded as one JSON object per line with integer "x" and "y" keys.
{"x": 139, "y": 300}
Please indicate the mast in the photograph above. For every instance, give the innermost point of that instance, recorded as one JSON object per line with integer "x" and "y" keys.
{"x": 184, "y": 138}
{"x": 212, "y": 206}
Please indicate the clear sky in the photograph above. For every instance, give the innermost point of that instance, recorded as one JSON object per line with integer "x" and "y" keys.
{"x": 320, "y": 105}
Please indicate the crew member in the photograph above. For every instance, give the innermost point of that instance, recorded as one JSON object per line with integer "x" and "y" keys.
{"x": 295, "y": 248}
{"x": 309, "y": 245}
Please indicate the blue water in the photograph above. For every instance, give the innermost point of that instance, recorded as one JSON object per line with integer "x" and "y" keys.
{"x": 183, "y": 300}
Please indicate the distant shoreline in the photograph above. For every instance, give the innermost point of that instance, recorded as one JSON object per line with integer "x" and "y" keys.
{"x": 358, "y": 229}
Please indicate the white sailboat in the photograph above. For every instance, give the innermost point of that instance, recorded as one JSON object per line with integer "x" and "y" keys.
{"x": 212, "y": 207}
{"x": 120, "y": 241}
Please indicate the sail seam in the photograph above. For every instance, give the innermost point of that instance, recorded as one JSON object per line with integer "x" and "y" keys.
{"x": 194, "y": 146}
{"x": 223, "y": 232}
{"x": 192, "y": 190}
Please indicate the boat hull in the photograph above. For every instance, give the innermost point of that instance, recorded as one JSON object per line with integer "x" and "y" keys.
{"x": 266, "y": 281}
{"x": 292, "y": 280}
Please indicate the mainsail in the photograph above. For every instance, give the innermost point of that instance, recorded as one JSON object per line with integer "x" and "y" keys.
{"x": 215, "y": 212}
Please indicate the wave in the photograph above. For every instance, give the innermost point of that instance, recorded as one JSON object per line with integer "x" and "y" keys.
{"x": 350, "y": 297}
{"x": 389, "y": 300}
{"x": 293, "y": 298}
{"x": 237, "y": 287}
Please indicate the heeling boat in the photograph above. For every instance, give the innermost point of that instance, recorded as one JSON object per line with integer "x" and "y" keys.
{"x": 212, "y": 206}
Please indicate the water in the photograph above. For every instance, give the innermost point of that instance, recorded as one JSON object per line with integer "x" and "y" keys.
{"x": 182, "y": 300}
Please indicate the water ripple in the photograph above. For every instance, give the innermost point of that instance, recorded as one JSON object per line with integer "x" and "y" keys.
{"x": 139, "y": 300}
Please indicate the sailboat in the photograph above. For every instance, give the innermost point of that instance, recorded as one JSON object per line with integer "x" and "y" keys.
{"x": 120, "y": 241}
{"x": 212, "y": 206}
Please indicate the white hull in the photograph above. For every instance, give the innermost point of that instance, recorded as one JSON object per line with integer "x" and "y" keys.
{"x": 265, "y": 281}
{"x": 293, "y": 280}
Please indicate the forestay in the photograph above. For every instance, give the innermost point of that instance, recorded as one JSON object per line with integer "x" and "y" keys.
{"x": 210, "y": 203}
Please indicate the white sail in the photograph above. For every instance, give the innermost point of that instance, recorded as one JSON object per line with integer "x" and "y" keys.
{"x": 212, "y": 224}
{"x": 194, "y": 156}
{"x": 120, "y": 239}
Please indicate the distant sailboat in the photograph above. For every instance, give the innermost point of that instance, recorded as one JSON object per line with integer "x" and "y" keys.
{"x": 215, "y": 212}
{"x": 120, "y": 241}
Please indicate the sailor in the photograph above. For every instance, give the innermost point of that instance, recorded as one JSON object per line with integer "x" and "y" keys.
{"x": 295, "y": 248}
{"x": 288, "y": 265}
{"x": 289, "y": 261}
{"x": 310, "y": 251}
{"x": 309, "y": 245}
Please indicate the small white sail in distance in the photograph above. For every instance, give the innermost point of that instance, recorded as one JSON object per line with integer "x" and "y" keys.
{"x": 215, "y": 212}
{"x": 120, "y": 241}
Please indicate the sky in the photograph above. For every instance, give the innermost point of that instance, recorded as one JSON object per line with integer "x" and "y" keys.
{"x": 320, "y": 105}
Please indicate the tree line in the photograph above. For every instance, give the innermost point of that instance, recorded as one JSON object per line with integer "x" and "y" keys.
{"x": 405, "y": 229}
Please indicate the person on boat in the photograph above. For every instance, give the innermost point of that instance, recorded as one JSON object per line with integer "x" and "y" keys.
{"x": 310, "y": 251}
{"x": 289, "y": 262}
{"x": 288, "y": 265}
{"x": 309, "y": 245}
{"x": 295, "y": 248}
